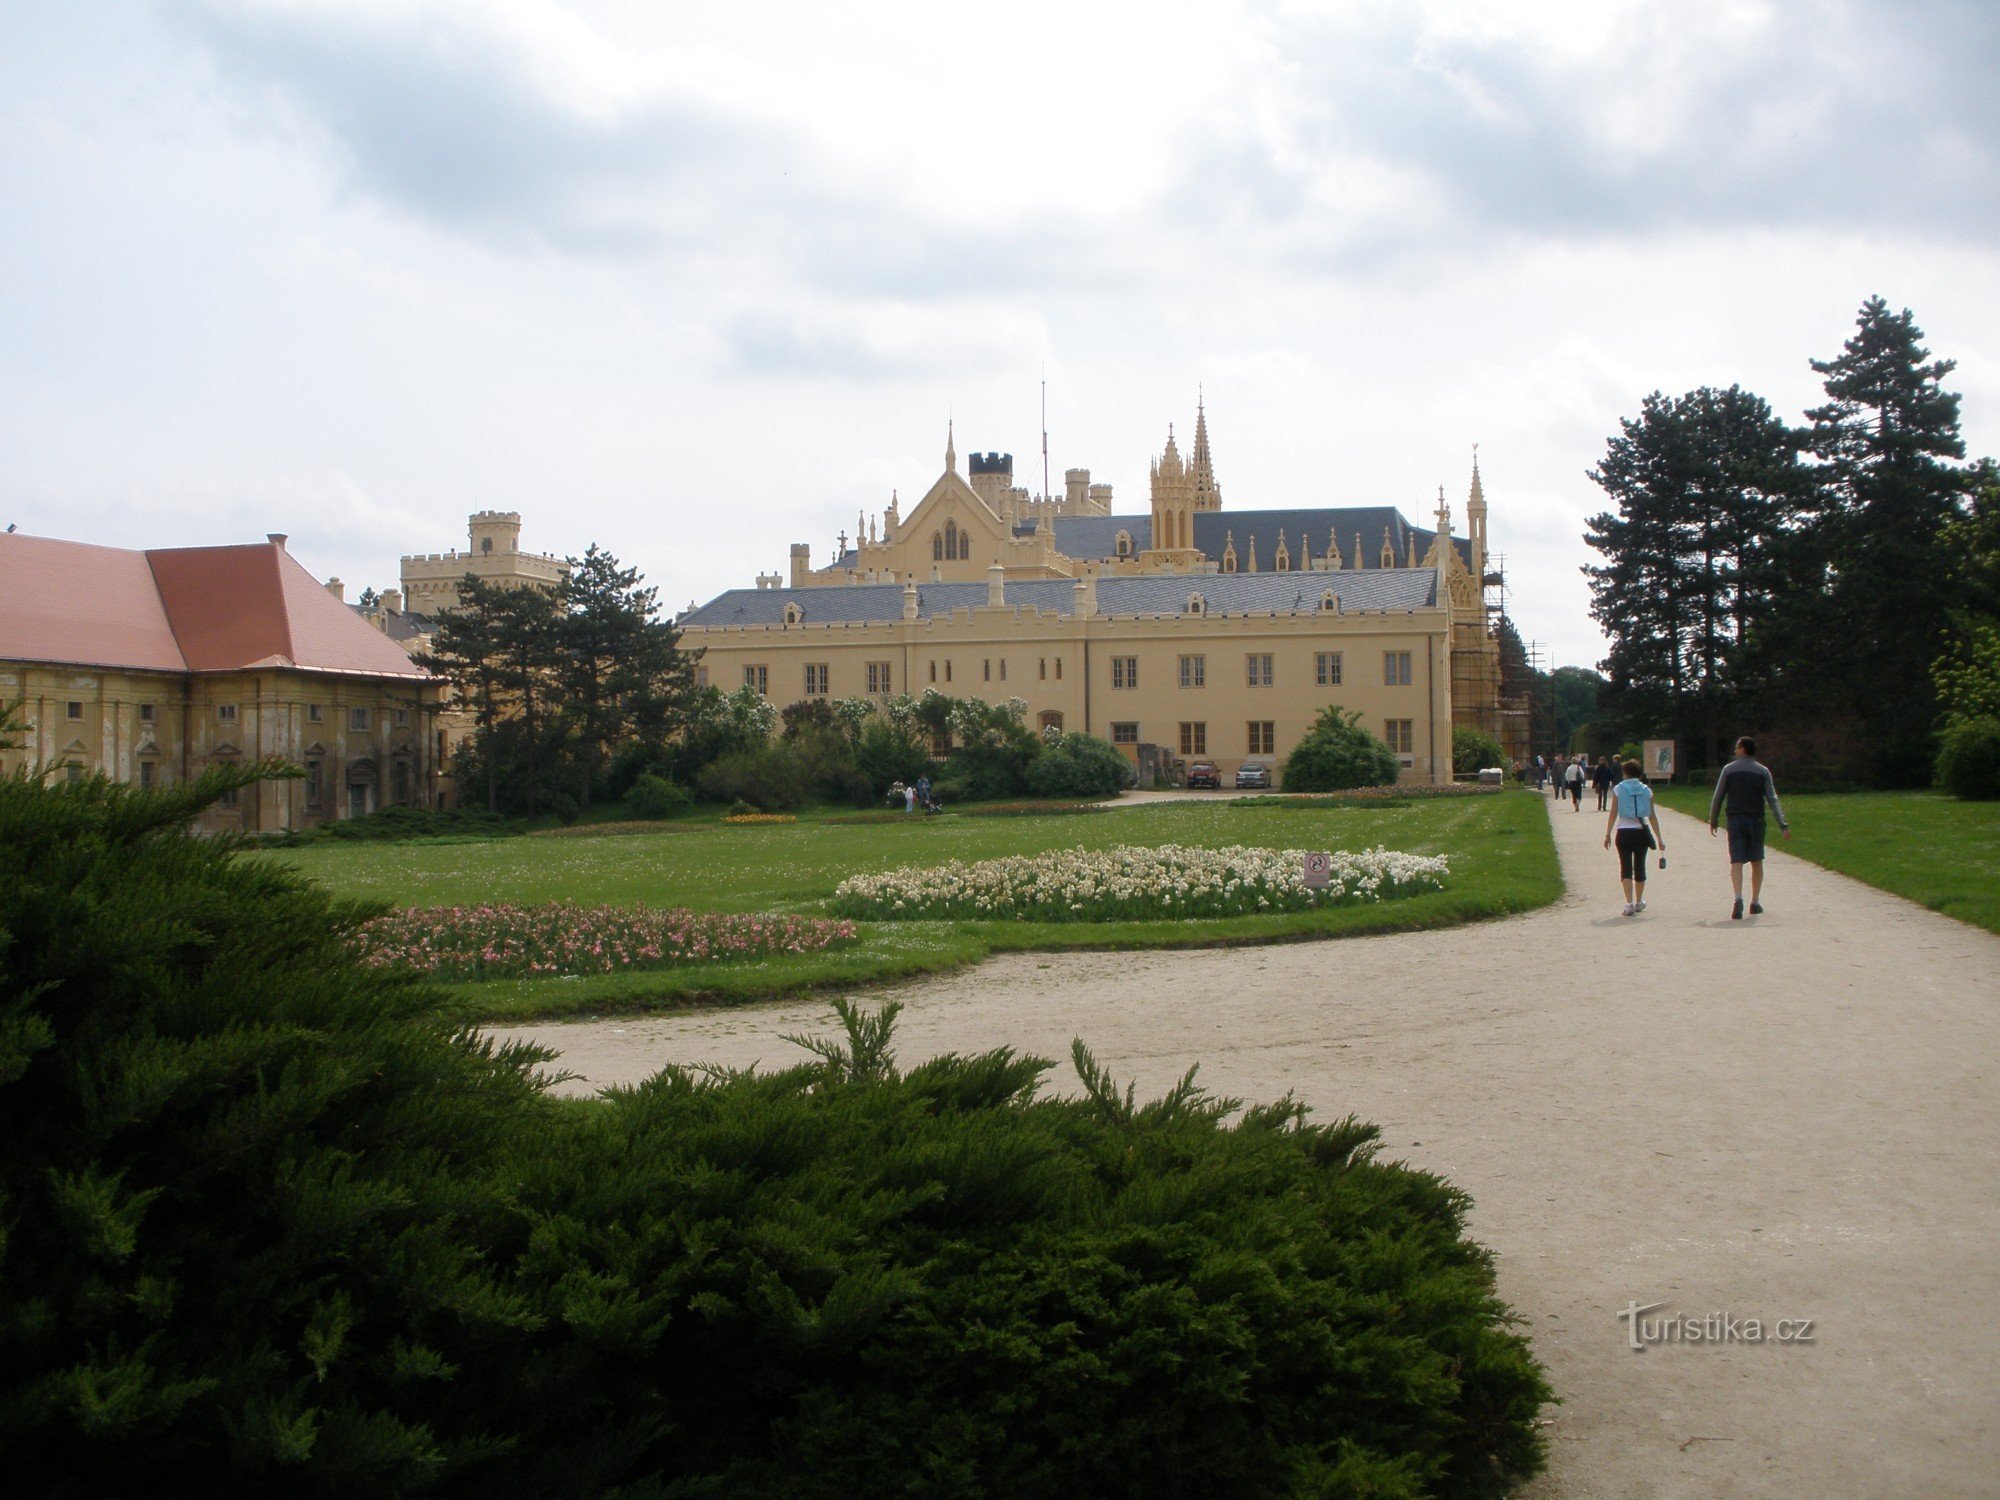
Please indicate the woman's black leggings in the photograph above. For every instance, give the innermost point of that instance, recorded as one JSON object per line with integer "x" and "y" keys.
{"x": 1632, "y": 846}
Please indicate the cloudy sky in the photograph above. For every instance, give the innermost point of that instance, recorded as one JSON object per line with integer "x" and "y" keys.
{"x": 700, "y": 280}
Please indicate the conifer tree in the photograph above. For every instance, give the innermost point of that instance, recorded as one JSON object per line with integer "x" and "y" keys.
{"x": 1887, "y": 439}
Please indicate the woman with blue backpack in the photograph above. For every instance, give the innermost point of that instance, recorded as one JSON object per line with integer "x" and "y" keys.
{"x": 1634, "y": 822}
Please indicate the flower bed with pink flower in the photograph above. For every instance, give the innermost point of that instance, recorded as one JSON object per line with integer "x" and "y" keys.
{"x": 500, "y": 941}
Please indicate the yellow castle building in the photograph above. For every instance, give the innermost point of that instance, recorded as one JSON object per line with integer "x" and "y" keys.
{"x": 1200, "y": 632}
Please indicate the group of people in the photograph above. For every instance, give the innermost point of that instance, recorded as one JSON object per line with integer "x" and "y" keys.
{"x": 1568, "y": 778}
{"x": 1742, "y": 792}
{"x": 915, "y": 796}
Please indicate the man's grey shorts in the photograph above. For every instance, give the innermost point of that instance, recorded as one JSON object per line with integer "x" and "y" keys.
{"x": 1746, "y": 841}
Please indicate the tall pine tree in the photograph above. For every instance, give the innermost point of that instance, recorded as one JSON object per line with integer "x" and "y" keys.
{"x": 1704, "y": 484}
{"x": 1887, "y": 439}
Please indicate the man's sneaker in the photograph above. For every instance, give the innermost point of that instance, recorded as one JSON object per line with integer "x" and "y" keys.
{"x": 1629, "y": 908}
{"x": 1736, "y": 912}
{"x": 1756, "y": 909}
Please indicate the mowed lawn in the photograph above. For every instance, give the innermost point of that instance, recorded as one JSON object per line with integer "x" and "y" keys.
{"x": 1502, "y": 860}
{"x": 1924, "y": 846}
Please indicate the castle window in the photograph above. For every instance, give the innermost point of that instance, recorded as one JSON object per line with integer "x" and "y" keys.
{"x": 314, "y": 782}
{"x": 399, "y": 783}
{"x": 1263, "y": 737}
{"x": 1330, "y": 602}
{"x": 357, "y": 718}
{"x": 701, "y": 677}
{"x": 1003, "y": 669}
{"x": 486, "y": 544}
{"x": 402, "y": 717}
{"x": 1398, "y": 733}
{"x": 73, "y": 773}
{"x": 1124, "y": 544}
{"x": 1260, "y": 669}
{"x": 816, "y": 679}
{"x": 933, "y": 671}
{"x": 1197, "y": 605}
{"x": 947, "y": 669}
{"x": 1058, "y": 669}
{"x": 937, "y": 546}
{"x": 1124, "y": 672}
{"x": 1043, "y": 668}
{"x": 312, "y": 713}
{"x": 793, "y": 614}
{"x": 1283, "y": 562}
{"x": 951, "y": 539}
{"x": 878, "y": 677}
{"x": 758, "y": 680}
{"x": 1124, "y": 734}
{"x": 146, "y": 772}
{"x": 1194, "y": 671}
{"x": 1194, "y": 739}
{"x": 73, "y": 710}
{"x": 146, "y": 711}
{"x": 225, "y": 713}
{"x": 1326, "y": 668}
{"x": 1396, "y": 669}
{"x": 986, "y": 667}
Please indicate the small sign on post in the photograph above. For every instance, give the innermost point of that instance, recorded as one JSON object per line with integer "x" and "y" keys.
{"x": 1659, "y": 760}
{"x": 1319, "y": 871}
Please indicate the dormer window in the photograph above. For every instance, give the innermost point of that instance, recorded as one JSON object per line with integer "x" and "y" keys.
{"x": 1330, "y": 602}
{"x": 793, "y": 614}
{"x": 1124, "y": 544}
{"x": 1197, "y": 605}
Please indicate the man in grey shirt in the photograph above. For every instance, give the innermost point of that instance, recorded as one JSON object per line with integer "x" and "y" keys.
{"x": 1743, "y": 790}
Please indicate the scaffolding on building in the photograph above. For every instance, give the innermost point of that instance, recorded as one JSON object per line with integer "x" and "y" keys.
{"x": 1490, "y": 691}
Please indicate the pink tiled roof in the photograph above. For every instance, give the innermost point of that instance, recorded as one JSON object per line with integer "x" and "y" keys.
{"x": 73, "y": 603}
{"x": 186, "y": 609}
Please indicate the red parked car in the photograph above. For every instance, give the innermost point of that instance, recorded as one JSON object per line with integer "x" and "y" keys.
{"x": 1203, "y": 774}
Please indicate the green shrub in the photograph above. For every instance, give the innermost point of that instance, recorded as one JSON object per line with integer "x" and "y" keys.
{"x": 272, "y": 1228}
{"x": 1473, "y": 751}
{"x": 768, "y": 777}
{"x": 413, "y": 823}
{"x": 257, "y": 1200}
{"x": 565, "y": 807}
{"x": 655, "y": 797}
{"x": 886, "y": 754}
{"x": 940, "y": 1282}
{"x": 1968, "y": 764}
{"x": 1336, "y": 754}
{"x": 1078, "y": 765}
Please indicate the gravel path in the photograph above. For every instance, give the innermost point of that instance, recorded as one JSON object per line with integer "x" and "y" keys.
{"x": 1790, "y": 1117}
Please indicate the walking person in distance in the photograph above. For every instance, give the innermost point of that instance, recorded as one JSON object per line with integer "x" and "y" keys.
{"x": 1635, "y": 823}
{"x": 1573, "y": 783}
{"x": 1603, "y": 778}
{"x": 1742, "y": 791}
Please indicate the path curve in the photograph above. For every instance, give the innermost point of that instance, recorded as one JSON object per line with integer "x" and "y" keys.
{"x": 1788, "y": 1117}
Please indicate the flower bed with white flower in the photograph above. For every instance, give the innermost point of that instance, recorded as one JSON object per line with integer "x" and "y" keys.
{"x": 503, "y": 941}
{"x": 1133, "y": 883}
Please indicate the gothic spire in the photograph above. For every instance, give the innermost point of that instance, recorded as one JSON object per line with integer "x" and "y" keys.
{"x": 950, "y": 448}
{"x": 1207, "y": 493}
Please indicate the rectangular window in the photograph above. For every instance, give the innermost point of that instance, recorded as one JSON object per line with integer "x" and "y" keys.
{"x": 72, "y": 710}
{"x": 947, "y": 669}
{"x": 1003, "y": 669}
{"x": 226, "y": 713}
{"x": 758, "y": 680}
{"x": 1395, "y": 669}
{"x": 402, "y": 717}
{"x": 1260, "y": 669}
{"x": 1263, "y": 737}
{"x": 146, "y": 711}
{"x": 816, "y": 675}
{"x": 1398, "y": 732}
{"x": 1058, "y": 669}
{"x": 701, "y": 677}
{"x": 986, "y": 667}
{"x": 878, "y": 677}
{"x": 72, "y": 773}
{"x": 312, "y": 713}
{"x": 357, "y": 718}
{"x": 1124, "y": 671}
{"x": 228, "y": 798}
{"x": 1194, "y": 739}
{"x": 933, "y": 671}
{"x": 1124, "y": 734}
{"x": 146, "y": 769}
{"x": 1045, "y": 669}
{"x": 1326, "y": 668}
{"x": 1194, "y": 671}
{"x": 313, "y": 782}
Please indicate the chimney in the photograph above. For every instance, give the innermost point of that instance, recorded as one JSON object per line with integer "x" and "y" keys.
{"x": 996, "y": 587}
{"x": 338, "y": 589}
{"x": 276, "y": 539}
{"x": 1086, "y": 596}
{"x": 909, "y": 601}
{"x": 392, "y": 601}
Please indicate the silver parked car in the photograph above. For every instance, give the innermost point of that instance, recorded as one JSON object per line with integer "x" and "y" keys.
{"x": 1253, "y": 773}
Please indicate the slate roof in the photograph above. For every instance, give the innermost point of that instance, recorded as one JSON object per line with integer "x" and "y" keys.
{"x": 1304, "y": 529}
{"x": 1162, "y": 593}
{"x": 188, "y": 609}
